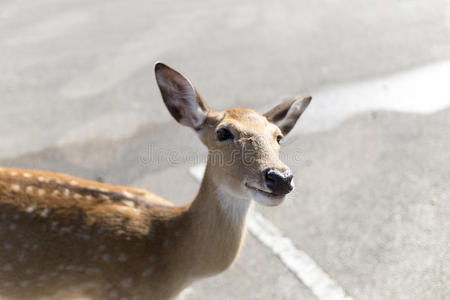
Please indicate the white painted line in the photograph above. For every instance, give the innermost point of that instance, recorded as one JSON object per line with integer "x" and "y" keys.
{"x": 297, "y": 261}
{"x": 300, "y": 263}
{"x": 423, "y": 90}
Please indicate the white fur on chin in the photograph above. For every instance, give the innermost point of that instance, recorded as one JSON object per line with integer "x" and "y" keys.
{"x": 235, "y": 206}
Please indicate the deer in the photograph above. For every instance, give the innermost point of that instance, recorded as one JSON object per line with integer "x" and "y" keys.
{"x": 64, "y": 237}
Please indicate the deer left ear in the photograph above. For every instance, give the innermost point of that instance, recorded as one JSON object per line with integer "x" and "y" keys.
{"x": 286, "y": 114}
{"x": 181, "y": 99}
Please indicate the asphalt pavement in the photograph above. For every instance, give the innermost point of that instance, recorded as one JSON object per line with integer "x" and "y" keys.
{"x": 372, "y": 198}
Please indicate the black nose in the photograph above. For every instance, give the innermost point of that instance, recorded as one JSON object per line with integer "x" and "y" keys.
{"x": 279, "y": 183}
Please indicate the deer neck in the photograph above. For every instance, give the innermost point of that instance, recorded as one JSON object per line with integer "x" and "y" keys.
{"x": 218, "y": 224}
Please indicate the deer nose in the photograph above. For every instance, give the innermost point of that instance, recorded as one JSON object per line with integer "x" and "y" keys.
{"x": 279, "y": 183}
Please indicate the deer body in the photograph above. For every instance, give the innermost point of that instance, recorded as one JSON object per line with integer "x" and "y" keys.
{"x": 64, "y": 237}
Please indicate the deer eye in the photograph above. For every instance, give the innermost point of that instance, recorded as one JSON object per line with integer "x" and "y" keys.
{"x": 224, "y": 134}
{"x": 279, "y": 138}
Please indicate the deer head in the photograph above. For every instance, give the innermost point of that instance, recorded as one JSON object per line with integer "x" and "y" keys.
{"x": 243, "y": 145}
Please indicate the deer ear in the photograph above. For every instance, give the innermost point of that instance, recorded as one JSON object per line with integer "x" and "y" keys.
{"x": 286, "y": 114}
{"x": 180, "y": 97}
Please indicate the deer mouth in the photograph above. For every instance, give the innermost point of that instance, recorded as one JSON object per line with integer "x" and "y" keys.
{"x": 264, "y": 197}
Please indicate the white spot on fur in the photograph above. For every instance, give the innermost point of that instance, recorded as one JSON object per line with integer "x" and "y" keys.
{"x": 26, "y": 175}
{"x": 66, "y": 193}
{"x": 45, "y": 213}
{"x": 77, "y": 196}
{"x": 104, "y": 190}
{"x": 29, "y": 189}
{"x": 41, "y": 192}
{"x": 13, "y": 173}
{"x": 56, "y": 193}
{"x": 73, "y": 182}
{"x": 128, "y": 194}
{"x": 41, "y": 179}
{"x": 128, "y": 203}
{"x": 30, "y": 208}
{"x": 15, "y": 187}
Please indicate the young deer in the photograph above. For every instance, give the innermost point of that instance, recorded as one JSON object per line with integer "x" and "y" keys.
{"x": 63, "y": 237}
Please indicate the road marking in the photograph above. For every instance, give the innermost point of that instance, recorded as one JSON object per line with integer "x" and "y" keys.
{"x": 297, "y": 261}
{"x": 422, "y": 90}
{"x": 300, "y": 263}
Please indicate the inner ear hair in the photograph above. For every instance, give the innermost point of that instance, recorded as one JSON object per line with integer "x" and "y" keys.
{"x": 286, "y": 114}
{"x": 181, "y": 98}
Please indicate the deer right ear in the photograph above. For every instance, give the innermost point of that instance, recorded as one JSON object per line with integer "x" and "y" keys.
{"x": 286, "y": 114}
{"x": 180, "y": 97}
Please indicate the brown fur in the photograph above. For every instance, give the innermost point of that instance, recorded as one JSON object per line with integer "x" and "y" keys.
{"x": 63, "y": 236}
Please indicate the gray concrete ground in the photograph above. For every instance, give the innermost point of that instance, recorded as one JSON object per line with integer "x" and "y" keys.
{"x": 372, "y": 199}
